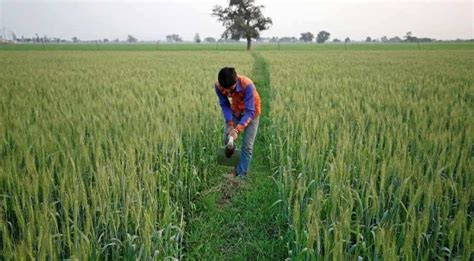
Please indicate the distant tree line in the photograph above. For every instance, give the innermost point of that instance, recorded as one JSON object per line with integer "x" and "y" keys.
{"x": 305, "y": 37}
{"x": 46, "y": 40}
{"x": 323, "y": 36}
{"x": 173, "y": 38}
{"x": 408, "y": 38}
{"x": 36, "y": 39}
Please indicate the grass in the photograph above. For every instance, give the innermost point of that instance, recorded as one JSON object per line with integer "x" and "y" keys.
{"x": 246, "y": 225}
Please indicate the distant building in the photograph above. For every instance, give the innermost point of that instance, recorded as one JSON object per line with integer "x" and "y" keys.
{"x": 6, "y": 41}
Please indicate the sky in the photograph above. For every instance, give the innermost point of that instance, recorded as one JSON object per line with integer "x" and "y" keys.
{"x": 153, "y": 20}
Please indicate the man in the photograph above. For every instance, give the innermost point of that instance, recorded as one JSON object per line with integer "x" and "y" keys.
{"x": 242, "y": 115}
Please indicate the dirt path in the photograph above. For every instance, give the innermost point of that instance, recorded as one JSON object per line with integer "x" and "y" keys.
{"x": 236, "y": 220}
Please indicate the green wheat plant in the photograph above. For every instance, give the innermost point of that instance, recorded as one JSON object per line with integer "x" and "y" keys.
{"x": 102, "y": 153}
{"x": 373, "y": 153}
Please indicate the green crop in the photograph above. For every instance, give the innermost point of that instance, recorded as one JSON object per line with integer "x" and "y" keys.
{"x": 373, "y": 153}
{"x": 101, "y": 153}
{"x": 108, "y": 151}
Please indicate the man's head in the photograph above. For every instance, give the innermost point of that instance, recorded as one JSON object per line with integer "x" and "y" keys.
{"x": 227, "y": 77}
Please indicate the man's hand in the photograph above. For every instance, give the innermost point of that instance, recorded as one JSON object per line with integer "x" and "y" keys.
{"x": 233, "y": 133}
{"x": 230, "y": 126}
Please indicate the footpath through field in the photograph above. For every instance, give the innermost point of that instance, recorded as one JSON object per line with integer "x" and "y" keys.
{"x": 237, "y": 220}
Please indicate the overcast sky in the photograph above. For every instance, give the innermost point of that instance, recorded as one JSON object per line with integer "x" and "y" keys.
{"x": 153, "y": 20}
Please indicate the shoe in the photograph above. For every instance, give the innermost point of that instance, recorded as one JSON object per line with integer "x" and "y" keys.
{"x": 241, "y": 177}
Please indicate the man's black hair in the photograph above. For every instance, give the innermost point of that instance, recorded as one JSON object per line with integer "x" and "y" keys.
{"x": 227, "y": 77}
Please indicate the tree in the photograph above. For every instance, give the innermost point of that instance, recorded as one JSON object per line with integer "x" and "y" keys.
{"x": 197, "y": 38}
{"x": 409, "y": 37}
{"x": 210, "y": 39}
{"x": 384, "y": 39}
{"x": 307, "y": 37}
{"x": 173, "y": 38}
{"x": 335, "y": 40}
{"x": 75, "y": 39}
{"x": 288, "y": 39}
{"x": 242, "y": 19}
{"x": 322, "y": 37}
{"x": 425, "y": 39}
{"x": 131, "y": 39}
{"x": 395, "y": 39}
{"x": 347, "y": 40}
{"x": 368, "y": 39}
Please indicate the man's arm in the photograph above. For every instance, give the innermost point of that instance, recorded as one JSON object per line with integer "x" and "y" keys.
{"x": 249, "y": 108}
{"x": 225, "y": 106}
